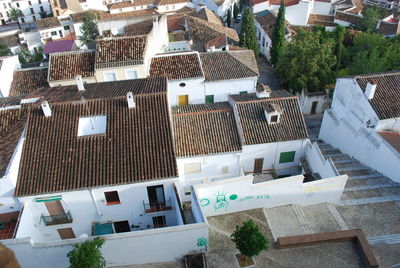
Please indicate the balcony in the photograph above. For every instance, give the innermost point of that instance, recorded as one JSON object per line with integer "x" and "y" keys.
{"x": 156, "y": 207}
{"x": 57, "y": 219}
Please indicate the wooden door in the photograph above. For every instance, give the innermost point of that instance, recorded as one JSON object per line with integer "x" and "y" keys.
{"x": 66, "y": 233}
{"x": 314, "y": 107}
{"x": 54, "y": 208}
{"x": 258, "y": 165}
{"x": 183, "y": 100}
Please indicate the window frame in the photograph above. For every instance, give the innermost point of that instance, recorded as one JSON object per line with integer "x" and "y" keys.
{"x": 131, "y": 70}
{"x": 108, "y": 73}
{"x": 114, "y": 202}
{"x": 285, "y": 158}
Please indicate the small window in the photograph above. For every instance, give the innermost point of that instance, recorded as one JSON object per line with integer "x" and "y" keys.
{"x": 92, "y": 125}
{"x": 41, "y": 9}
{"x": 66, "y": 27}
{"x": 30, "y": 3}
{"x": 274, "y": 119}
{"x": 182, "y": 84}
{"x": 53, "y": 33}
{"x": 192, "y": 168}
{"x": 22, "y": 20}
{"x": 210, "y": 99}
{"x": 131, "y": 74}
{"x": 287, "y": 157}
{"x": 159, "y": 222}
{"x": 121, "y": 226}
{"x": 17, "y": 4}
{"x": 108, "y": 77}
{"x": 40, "y": 1}
{"x": 225, "y": 170}
{"x": 34, "y": 18}
{"x": 58, "y": 12}
{"x": 112, "y": 198}
{"x": 243, "y": 92}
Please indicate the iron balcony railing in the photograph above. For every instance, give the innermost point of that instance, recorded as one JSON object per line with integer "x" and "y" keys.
{"x": 57, "y": 219}
{"x": 155, "y": 207}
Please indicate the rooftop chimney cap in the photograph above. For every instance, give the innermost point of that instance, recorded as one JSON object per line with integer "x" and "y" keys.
{"x": 131, "y": 100}
{"x": 79, "y": 83}
{"x": 263, "y": 91}
{"x": 372, "y": 81}
{"x": 370, "y": 89}
{"x": 46, "y": 109}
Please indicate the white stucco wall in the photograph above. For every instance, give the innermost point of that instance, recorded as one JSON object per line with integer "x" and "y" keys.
{"x": 297, "y": 14}
{"x": 194, "y": 88}
{"x": 6, "y": 73}
{"x": 306, "y": 102}
{"x": 260, "y": 7}
{"x": 322, "y": 8}
{"x": 318, "y": 163}
{"x": 222, "y": 88}
{"x": 238, "y": 194}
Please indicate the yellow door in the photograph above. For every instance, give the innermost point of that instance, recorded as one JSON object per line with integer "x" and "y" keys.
{"x": 183, "y": 100}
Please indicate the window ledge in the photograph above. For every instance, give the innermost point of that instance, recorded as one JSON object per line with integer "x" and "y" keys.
{"x": 113, "y": 203}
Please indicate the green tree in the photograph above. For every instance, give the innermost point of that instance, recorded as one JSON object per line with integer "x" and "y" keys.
{"x": 249, "y": 240}
{"x": 307, "y": 62}
{"x": 14, "y": 14}
{"x": 87, "y": 255}
{"x": 235, "y": 11}
{"x": 4, "y": 50}
{"x": 370, "y": 18}
{"x": 340, "y": 33}
{"x": 229, "y": 17}
{"x": 278, "y": 35}
{"x": 89, "y": 27}
{"x": 248, "y": 36}
{"x": 26, "y": 57}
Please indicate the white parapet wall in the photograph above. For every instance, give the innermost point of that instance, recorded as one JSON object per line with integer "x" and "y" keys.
{"x": 238, "y": 194}
{"x": 156, "y": 245}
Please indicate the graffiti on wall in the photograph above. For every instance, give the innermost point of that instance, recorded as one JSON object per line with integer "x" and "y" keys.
{"x": 202, "y": 242}
{"x": 222, "y": 199}
{"x": 311, "y": 190}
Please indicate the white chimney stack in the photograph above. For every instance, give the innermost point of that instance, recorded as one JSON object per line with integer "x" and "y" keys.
{"x": 155, "y": 24}
{"x": 46, "y": 109}
{"x": 370, "y": 89}
{"x": 131, "y": 101}
{"x": 79, "y": 83}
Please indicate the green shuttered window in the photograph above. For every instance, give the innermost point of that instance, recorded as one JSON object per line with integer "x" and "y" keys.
{"x": 287, "y": 157}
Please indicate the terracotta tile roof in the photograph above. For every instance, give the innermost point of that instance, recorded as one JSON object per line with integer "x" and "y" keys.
{"x": 349, "y": 17}
{"x": 12, "y": 122}
{"x": 208, "y": 15}
{"x": 387, "y": 28}
{"x": 104, "y": 16}
{"x": 178, "y": 36}
{"x": 140, "y": 28}
{"x": 101, "y": 90}
{"x": 66, "y": 65}
{"x": 256, "y": 129}
{"x": 204, "y": 129}
{"x": 387, "y": 94}
{"x": 10, "y": 41}
{"x": 393, "y": 138}
{"x": 125, "y": 4}
{"x": 288, "y": 3}
{"x": 324, "y": 20}
{"x": 252, "y": 96}
{"x": 10, "y": 101}
{"x": 217, "y": 42}
{"x": 136, "y": 147}
{"x": 120, "y": 51}
{"x": 266, "y": 21}
{"x": 27, "y": 80}
{"x": 179, "y": 66}
{"x": 176, "y": 23}
{"x": 229, "y": 65}
{"x": 219, "y": 2}
{"x": 201, "y": 31}
{"x": 255, "y": 2}
{"x": 47, "y": 23}
{"x": 170, "y": 2}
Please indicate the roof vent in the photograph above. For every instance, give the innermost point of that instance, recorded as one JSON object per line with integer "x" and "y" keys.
{"x": 272, "y": 113}
{"x": 370, "y": 89}
{"x": 263, "y": 91}
{"x": 46, "y": 109}
{"x": 79, "y": 83}
{"x": 131, "y": 100}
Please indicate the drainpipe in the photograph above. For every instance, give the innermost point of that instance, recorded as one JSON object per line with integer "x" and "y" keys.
{"x": 94, "y": 202}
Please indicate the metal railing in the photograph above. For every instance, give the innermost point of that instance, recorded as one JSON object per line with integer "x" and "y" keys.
{"x": 57, "y": 219}
{"x": 155, "y": 207}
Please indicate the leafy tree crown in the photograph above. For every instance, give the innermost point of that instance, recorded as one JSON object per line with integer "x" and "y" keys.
{"x": 87, "y": 255}
{"x": 89, "y": 27}
{"x": 248, "y": 35}
{"x": 278, "y": 35}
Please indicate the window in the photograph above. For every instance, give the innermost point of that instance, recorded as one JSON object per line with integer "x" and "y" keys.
{"x": 225, "y": 170}
{"x": 209, "y": 98}
{"x": 109, "y": 76}
{"x": 58, "y": 12}
{"x": 156, "y": 195}
{"x": 32, "y": 11}
{"x": 4, "y": 5}
{"x": 131, "y": 74}
{"x": 182, "y": 84}
{"x": 17, "y": 4}
{"x": 66, "y": 27}
{"x": 22, "y": 20}
{"x": 92, "y": 125}
{"x": 30, "y": 3}
{"x": 9, "y": 5}
{"x": 287, "y": 157}
{"x": 53, "y": 33}
{"x": 34, "y": 18}
{"x": 242, "y": 92}
{"x": 159, "y": 222}
{"x": 112, "y": 198}
{"x": 274, "y": 119}
{"x": 66, "y": 233}
{"x": 41, "y": 9}
{"x": 60, "y": 33}
{"x": 121, "y": 226}
{"x": 40, "y": 1}
{"x": 173, "y": 6}
{"x": 263, "y": 41}
{"x": 192, "y": 168}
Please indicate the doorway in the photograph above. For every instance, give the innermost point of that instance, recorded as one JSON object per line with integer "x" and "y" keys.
{"x": 156, "y": 195}
{"x": 258, "y": 165}
{"x": 314, "y": 107}
{"x": 183, "y": 100}
{"x": 121, "y": 226}
{"x": 159, "y": 222}
{"x": 54, "y": 208}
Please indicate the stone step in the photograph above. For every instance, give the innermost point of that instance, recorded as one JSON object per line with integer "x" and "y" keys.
{"x": 352, "y": 167}
{"x": 363, "y": 177}
{"x": 304, "y": 223}
{"x": 367, "y": 182}
{"x": 328, "y": 152}
{"x": 357, "y": 172}
{"x": 372, "y": 200}
{"x": 339, "y": 220}
{"x": 384, "y": 239}
{"x": 372, "y": 186}
{"x": 345, "y": 162}
{"x": 340, "y": 157}
{"x": 371, "y": 193}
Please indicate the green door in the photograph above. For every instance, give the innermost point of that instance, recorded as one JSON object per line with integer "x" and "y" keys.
{"x": 210, "y": 99}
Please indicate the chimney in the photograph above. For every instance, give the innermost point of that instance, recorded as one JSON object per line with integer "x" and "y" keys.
{"x": 131, "y": 100}
{"x": 370, "y": 89}
{"x": 263, "y": 91}
{"x": 155, "y": 24}
{"x": 46, "y": 109}
{"x": 79, "y": 83}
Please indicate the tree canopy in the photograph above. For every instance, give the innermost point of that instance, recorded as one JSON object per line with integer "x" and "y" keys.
{"x": 89, "y": 27}
{"x": 307, "y": 62}
{"x": 14, "y": 14}
{"x": 229, "y": 17}
{"x": 278, "y": 35}
{"x": 249, "y": 240}
{"x": 370, "y": 18}
{"x": 4, "y": 50}
{"x": 248, "y": 36}
{"x": 235, "y": 11}
{"x": 87, "y": 255}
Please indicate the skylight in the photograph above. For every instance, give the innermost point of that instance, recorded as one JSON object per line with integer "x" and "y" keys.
{"x": 92, "y": 125}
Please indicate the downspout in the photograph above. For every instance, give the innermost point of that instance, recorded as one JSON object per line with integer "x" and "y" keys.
{"x": 94, "y": 202}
